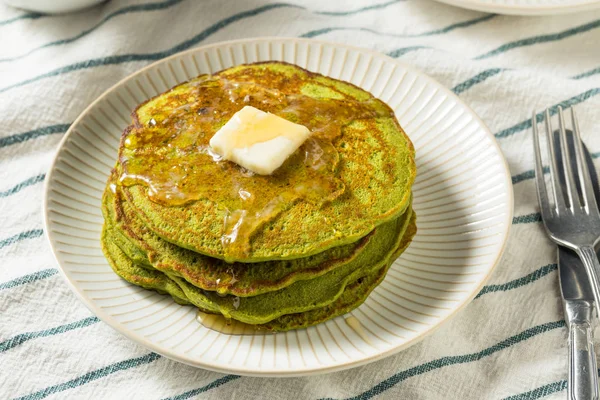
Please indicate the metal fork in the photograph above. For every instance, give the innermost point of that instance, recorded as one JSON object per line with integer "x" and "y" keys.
{"x": 573, "y": 219}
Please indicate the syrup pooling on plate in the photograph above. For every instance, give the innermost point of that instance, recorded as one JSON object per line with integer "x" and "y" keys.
{"x": 358, "y": 328}
{"x": 227, "y": 326}
{"x": 170, "y": 154}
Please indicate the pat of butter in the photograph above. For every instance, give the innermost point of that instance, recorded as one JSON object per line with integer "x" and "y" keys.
{"x": 258, "y": 141}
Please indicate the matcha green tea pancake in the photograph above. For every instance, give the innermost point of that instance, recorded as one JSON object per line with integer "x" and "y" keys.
{"x": 263, "y": 194}
{"x": 352, "y": 174}
{"x": 356, "y": 289}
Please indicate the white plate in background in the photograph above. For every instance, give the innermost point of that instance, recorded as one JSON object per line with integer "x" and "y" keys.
{"x": 526, "y": 7}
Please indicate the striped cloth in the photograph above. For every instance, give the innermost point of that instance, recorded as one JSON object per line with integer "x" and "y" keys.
{"x": 510, "y": 342}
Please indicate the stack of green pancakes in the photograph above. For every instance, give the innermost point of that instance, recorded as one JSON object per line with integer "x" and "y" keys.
{"x": 281, "y": 251}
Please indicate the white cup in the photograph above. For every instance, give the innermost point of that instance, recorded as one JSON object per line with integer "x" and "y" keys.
{"x": 52, "y": 6}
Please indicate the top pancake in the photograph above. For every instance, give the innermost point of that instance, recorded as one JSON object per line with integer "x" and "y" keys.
{"x": 353, "y": 174}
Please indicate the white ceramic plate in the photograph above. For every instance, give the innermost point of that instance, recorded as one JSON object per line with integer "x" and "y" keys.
{"x": 462, "y": 196}
{"x": 526, "y": 7}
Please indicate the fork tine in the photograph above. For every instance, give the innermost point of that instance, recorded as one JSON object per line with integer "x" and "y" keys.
{"x": 570, "y": 181}
{"x": 539, "y": 173}
{"x": 559, "y": 198}
{"x": 585, "y": 179}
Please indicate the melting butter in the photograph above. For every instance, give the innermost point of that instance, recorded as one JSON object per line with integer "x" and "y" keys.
{"x": 258, "y": 141}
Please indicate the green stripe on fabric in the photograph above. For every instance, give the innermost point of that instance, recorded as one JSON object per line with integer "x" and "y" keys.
{"x": 212, "y": 385}
{"x": 464, "y": 24}
{"x": 22, "y": 137}
{"x": 527, "y": 279}
{"x": 92, "y": 376}
{"x": 323, "y": 31}
{"x": 34, "y": 233}
{"x": 119, "y": 59}
{"x": 24, "y": 337}
{"x": 403, "y": 50}
{"x": 523, "y": 176}
{"x": 21, "y": 17}
{"x": 447, "y": 29}
{"x": 454, "y": 360}
{"x": 22, "y": 185}
{"x": 527, "y": 219}
{"x": 541, "y": 39}
{"x": 125, "y": 10}
{"x": 360, "y": 10}
{"x": 43, "y": 274}
{"x": 482, "y": 76}
{"x": 587, "y": 74}
{"x": 540, "y": 392}
{"x": 521, "y": 126}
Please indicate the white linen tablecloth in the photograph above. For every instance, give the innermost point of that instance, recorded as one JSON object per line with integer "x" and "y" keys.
{"x": 510, "y": 342}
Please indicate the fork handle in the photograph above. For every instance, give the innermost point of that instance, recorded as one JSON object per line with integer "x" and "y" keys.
{"x": 583, "y": 374}
{"x": 589, "y": 258}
